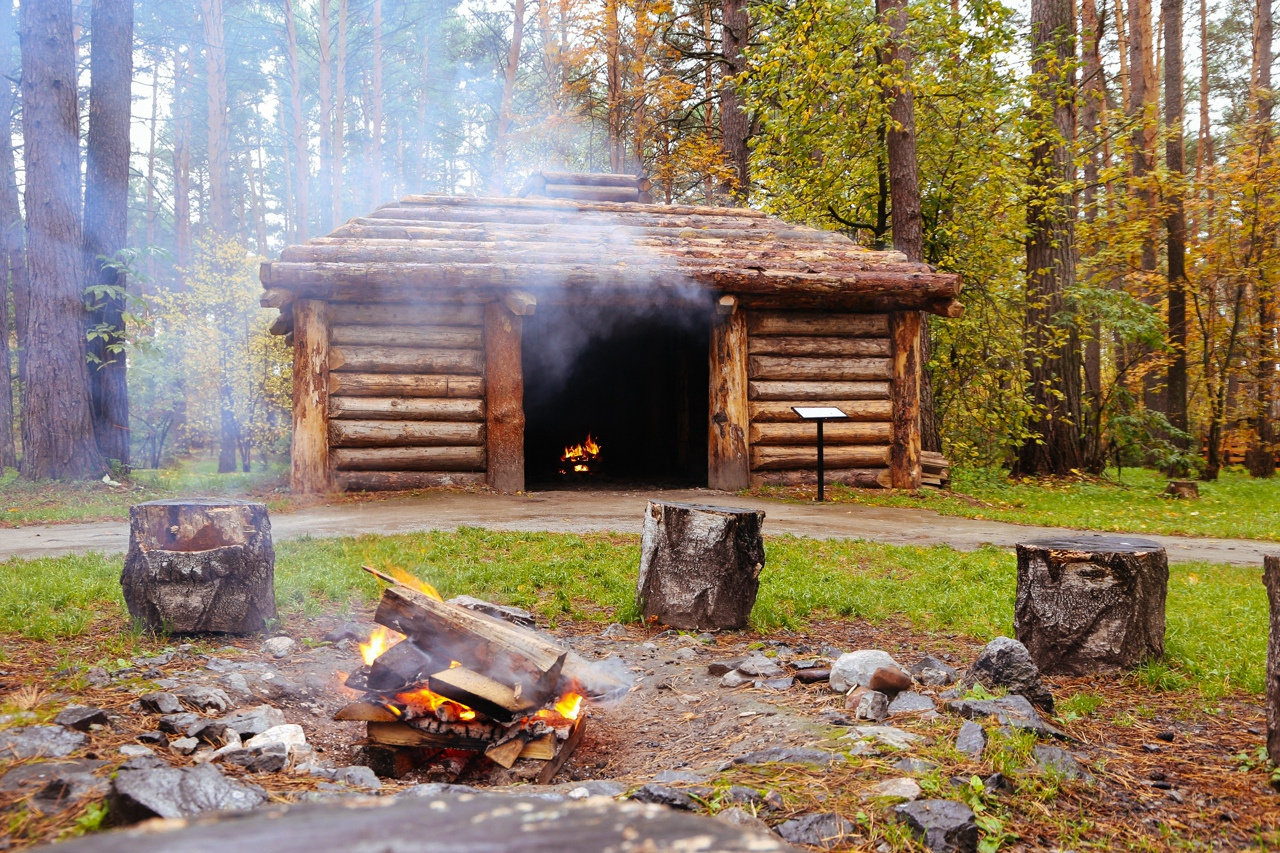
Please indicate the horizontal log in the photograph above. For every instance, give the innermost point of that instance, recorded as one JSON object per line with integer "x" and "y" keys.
{"x": 406, "y": 385}
{"x": 878, "y": 432}
{"x": 406, "y": 409}
{"x": 408, "y": 458}
{"x": 477, "y": 691}
{"x": 858, "y": 478}
{"x": 282, "y": 324}
{"x": 379, "y": 359}
{"x": 274, "y": 297}
{"x": 402, "y": 734}
{"x": 803, "y": 368}
{"x": 591, "y": 179}
{"x": 507, "y": 205}
{"x": 412, "y": 313}
{"x": 447, "y": 337}
{"x": 819, "y": 324}
{"x": 848, "y": 456}
{"x": 458, "y": 233}
{"x": 805, "y": 392}
{"x": 817, "y": 346}
{"x": 399, "y": 481}
{"x": 348, "y": 433}
{"x": 781, "y": 412}
{"x": 849, "y": 300}
{"x": 615, "y": 194}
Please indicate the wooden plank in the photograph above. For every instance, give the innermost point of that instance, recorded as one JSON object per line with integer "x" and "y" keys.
{"x": 848, "y": 456}
{"x": 728, "y": 466}
{"x": 541, "y": 748}
{"x": 504, "y": 374}
{"x": 408, "y": 458}
{"x": 481, "y": 693}
{"x": 412, "y": 313}
{"x": 804, "y": 392}
{"x": 780, "y": 412}
{"x": 817, "y": 323}
{"x": 402, "y": 734}
{"x": 380, "y": 359}
{"x": 406, "y": 409}
{"x": 366, "y": 712}
{"x": 904, "y": 465}
{"x": 571, "y": 743}
{"x": 858, "y": 478}
{"x": 399, "y": 481}
{"x": 877, "y": 432}
{"x": 405, "y": 385}
{"x": 448, "y": 337}
{"x": 348, "y": 433}
{"x": 818, "y": 346}
{"x": 814, "y": 369}
{"x": 309, "y": 454}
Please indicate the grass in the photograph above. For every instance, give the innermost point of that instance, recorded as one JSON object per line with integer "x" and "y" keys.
{"x": 1236, "y": 506}
{"x": 23, "y": 502}
{"x": 1214, "y": 642}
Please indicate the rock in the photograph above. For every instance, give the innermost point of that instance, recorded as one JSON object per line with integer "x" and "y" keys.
{"x": 943, "y": 825}
{"x": 161, "y": 703}
{"x": 134, "y": 750}
{"x": 358, "y": 776}
{"x": 812, "y": 675}
{"x": 514, "y": 615}
{"x": 1006, "y": 664}
{"x": 887, "y": 735}
{"x": 253, "y": 721}
{"x": 734, "y": 679}
{"x": 910, "y": 703}
{"x": 157, "y": 738}
{"x": 236, "y": 686}
{"x": 598, "y": 788}
{"x": 288, "y": 734}
{"x": 204, "y": 698}
{"x": 914, "y": 765}
{"x": 1013, "y": 711}
{"x": 971, "y": 740}
{"x": 81, "y": 717}
{"x": 686, "y": 653}
{"x": 279, "y": 647}
{"x": 65, "y": 789}
{"x": 267, "y": 759}
{"x": 184, "y": 745}
{"x": 723, "y": 667}
{"x": 355, "y": 631}
{"x": 872, "y": 705}
{"x": 1058, "y": 761}
{"x": 932, "y": 672}
{"x": 834, "y": 717}
{"x": 39, "y": 742}
{"x": 615, "y": 631}
{"x": 200, "y": 565}
{"x": 856, "y": 668}
{"x": 435, "y": 789}
{"x": 786, "y": 755}
{"x": 741, "y": 817}
{"x": 889, "y": 680}
{"x": 666, "y": 776}
{"x": 743, "y": 796}
{"x": 178, "y": 724}
{"x": 903, "y": 789}
{"x": 664, "y": 796}
{"x": 176, "y": 792}
{"x": 777, "y": 683}
{"x": 760, "y": 666}
{"x": 825, "y": 831}
{"x": 26, "y": 777}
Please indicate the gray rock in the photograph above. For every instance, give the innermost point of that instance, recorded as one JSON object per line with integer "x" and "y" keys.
{"x": 267, "y": 759}
{"x": 835, "y": 717}
{"x": 786, "y": 755}
{"x": 174, "y": 792}
{"x": 856, "y": 668}
{"x": 514, "y": 615}
{"x": 236, "y": 686}
{"x": 741, "y": 817}
{"x": 913, "y": 765}
{"x": 743, "y": 796}
{"x": 664, "y": 796}
{"x": 289, "y": 734}
{"x": 1006, "y": 664}
{"x": 887, "y": 735}
{"x": 614, "y": 631}
{"x": 825, "y": 831}
{"x": 356, "y": 631}
{"x": 932, "y": 672}
{"x": 178, "y": 724}
{"x": 972, "y": 739}
{"x": 873, "y": 706}
{"x": 686, "y": 653}
{"x": 1013, "y": 711}
{"x": 64, "y": 790}
{"x": 136, "y": 750}
{"x": 81, "y": 717}
{"x": 184, "y": 745}
{"x": 253, "y": 721}
{"x": 1058, "y": 761}
{"x": 157, "y": 738}
{"x": 358, "y": 776}
{"x": 597, "y": 788}
{"x": 901, "y": 789}
{"x": 723, "y": 667}
{"x": 910, "y": 703}
{"x": 734, "y": 679}
{"x": 760, "y": 666}
{"x": 161, "y": 703}
{"x": 944, "y": 826}
{"x": 435, "y": 789}
{"x": 667, "y": 776}
{"x": 36, "y": 775}
{"x": 279, "y": 647}
{"x": 204, "y": 698}
{"x": 776, "y": 683}
{"x": 39, "y": 741}
{"x": 146, "y": 760}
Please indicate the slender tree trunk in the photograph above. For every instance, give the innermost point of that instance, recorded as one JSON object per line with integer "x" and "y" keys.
{"x": 339, "y": 113}
{"x": 152, "y": 131}
{"x": 57, "y": 427}
{"x": 300, "y": 159}
{"x": 613, "y": 84}
{"x": 325, "y": 68}
{"x": 1144, "y": 118}
{"x": 1260, "y": 458}
{"x": 106, "y": 218}
{"x": 708, "y": 92}
{"x": 375, "y": 111}
{"x": 1204, "y": 146}
{"x": 13, "y": 261}
{"x": 1122, "y": 53}
{"x": 1053, "y": 347}
{"x": 735, "y": 124}
{"x": 215, "y": 64}
{"x": 259, "y": 190}
{"x": 1176, "y": 219}
{"x": 497, "y": 177}
{"x": 1092, "y": 100}
{"x": 182, "y": 74}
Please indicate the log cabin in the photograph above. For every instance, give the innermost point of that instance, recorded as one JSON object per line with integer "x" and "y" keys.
{"x": 448, "y": 340}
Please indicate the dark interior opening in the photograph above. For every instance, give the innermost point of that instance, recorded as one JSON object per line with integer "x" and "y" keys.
{"x": 636, "y": 382}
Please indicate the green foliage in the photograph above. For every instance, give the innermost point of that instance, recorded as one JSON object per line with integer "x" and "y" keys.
{"x": 1078, "y": 705}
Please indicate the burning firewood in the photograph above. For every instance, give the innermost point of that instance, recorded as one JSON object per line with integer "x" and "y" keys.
{"x": 480, "y": 692}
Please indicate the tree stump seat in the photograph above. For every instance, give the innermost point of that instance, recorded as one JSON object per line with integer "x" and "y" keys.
{"x": 200, "y": 565}
{"x": 1091, "y": 604}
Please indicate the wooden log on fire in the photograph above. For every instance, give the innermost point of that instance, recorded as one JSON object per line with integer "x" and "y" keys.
{"x": 403, "y": 734}
{"x": 480, "y": 693}
{"x": 699, "y": 565}
{"x": 521, "y": 658}
{"x": 404, "y": 664}
{"x": 1271, "y": 580}
{"x": 570, "y": 744}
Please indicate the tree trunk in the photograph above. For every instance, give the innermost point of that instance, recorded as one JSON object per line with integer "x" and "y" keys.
{"x": 1053, "y": 352}
{"x": 57, "y": 428}
{"x": 153, "y": 130}
{"x": 106, "y": 218}
{"x": 1261, "y": 457}
{"x": 1092, "y": 101}
{"x": 325, "y": 69}
{"x": 375, "y": 112}
{"x": 1271, "y": 580}
{"x": 735, "y": 124}
{"x": 1176, "y": 219}
{"x": 613, "y": 85}
{"x": 215, "y": 63}
{"x": 300, "y": 157}
{"x": 339, "y": 113}
{"x": 182, "y": 75}
{"x": 229, "y": 430}
{"x": 13, "y": 261}
{"x": 497, "y": 177}
{"x": 1143, "y": 114}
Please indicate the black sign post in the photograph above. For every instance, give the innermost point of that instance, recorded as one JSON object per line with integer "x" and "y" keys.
{"x": 820, "y": 415}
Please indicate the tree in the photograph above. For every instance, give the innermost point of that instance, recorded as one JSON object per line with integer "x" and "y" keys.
{"x": 215, "y": 63}
{"x": 1261, "y": 457}
{"x": 106, "y": 217}
{"x": 13, "y": 261}
{"x": 1175, "y": 219}
{"x": 735, "y": 123}
{"x": 300, "y": 155}
{"x": 57, "y": 429}
{"x": 502, "y": 134}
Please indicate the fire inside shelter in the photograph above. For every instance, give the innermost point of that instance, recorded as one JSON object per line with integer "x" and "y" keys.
{"x": 580, "y": 334}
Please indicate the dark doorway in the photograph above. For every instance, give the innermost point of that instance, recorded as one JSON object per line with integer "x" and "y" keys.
{"x": 635, "y": 382}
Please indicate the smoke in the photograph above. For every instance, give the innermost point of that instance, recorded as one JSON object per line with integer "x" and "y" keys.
{"x": 603, "y": 682}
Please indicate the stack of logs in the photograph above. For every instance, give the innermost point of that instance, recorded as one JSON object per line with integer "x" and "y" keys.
{"x": 587, "y": 186}
{"x": 459, "y": 685}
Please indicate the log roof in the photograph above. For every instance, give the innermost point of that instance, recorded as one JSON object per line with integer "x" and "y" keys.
{"x": 428, "y": 246}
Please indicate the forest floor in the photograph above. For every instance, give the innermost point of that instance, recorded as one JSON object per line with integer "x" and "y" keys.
{"x": 1173, "y": 747}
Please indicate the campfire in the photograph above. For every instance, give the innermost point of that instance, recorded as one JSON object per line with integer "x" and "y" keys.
{"x": 442, "y": 685}
{"x": 579, "y": 458}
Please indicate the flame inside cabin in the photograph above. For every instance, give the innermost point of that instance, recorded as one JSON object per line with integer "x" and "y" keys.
{"x": 579, "y": 458}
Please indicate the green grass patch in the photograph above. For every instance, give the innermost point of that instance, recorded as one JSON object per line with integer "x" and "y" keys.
{"x": 1215, "y": 641}
{"x": 1235, "y": 506}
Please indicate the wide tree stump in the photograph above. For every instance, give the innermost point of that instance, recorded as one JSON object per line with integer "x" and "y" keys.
{"x": 200, "y": 565}
{"x": 1271, "y": 579}
{"x": 1091, "y": 604}
{"x": 699, "y": 565}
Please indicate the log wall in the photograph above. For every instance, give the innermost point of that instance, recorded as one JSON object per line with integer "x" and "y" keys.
{"x": 798, "y": 358}
{"x": 406, "y": 395}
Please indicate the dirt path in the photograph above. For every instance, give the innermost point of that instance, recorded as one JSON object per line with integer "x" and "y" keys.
{"x": 581, "y": 512}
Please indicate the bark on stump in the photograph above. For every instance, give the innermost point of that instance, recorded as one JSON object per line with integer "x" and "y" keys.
{"x": 699, "y": 565}
{"x": 1271, "y": 579}
{"x": 200, "y": 565}
{"x": 1091, "y": 604}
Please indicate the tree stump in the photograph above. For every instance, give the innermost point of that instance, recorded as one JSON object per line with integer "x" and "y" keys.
{"x": 200, "y": 565}
{"x": 699, "y": 565}
{"x": 1271, "y": 579}
{"x": 1091, "y": 604}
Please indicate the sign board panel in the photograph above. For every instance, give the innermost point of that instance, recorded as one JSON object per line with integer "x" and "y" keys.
{"x": 818, "y": 413}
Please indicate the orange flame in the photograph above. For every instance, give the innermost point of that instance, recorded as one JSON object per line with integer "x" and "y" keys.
{"x": 379, "y": 641}
{"x": 580, "y": 456}
{"x": 567, "y": 707}
{"x": 431, "y": 701}
{"x": 414, "y": 582}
